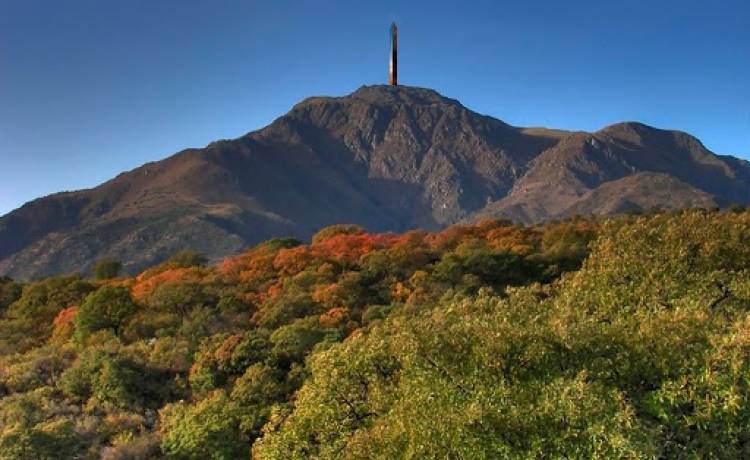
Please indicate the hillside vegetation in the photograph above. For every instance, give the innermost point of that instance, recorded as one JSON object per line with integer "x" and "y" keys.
{"x": 620, "y": 338}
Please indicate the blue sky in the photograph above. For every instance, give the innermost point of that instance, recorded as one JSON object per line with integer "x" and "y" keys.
{"x": 92, "y": 88}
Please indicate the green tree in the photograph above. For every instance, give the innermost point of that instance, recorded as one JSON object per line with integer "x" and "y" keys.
{"x": 207, "y": 429}
{"x": 28, "y": 321}
{"x": 188, "y": 258}
{"x": 181, "y": 297}
{"x": 339, "y": 229}
{"x": 48, "y": 440}
{"x": 10, "y": 291}
{"x": 107, "y": 308}
{"x": 106, "y": 379}
{"x": 106, "y": 268}
{"x": 473, "y": 268}
{"x": 42, "y": 300}
{"x": 377, "y": 396}
{"x": 294, "y": 341}
{"x": 254, "y": 394}
{"x": 31, "y": 429}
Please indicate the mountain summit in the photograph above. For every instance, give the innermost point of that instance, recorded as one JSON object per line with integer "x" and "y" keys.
{"x": 385, "y": 157}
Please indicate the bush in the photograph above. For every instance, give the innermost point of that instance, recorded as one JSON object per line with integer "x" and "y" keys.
{"x": 138, "y": 448}
{"x": 32, "y": 427}
{"x": 48, "y": 440}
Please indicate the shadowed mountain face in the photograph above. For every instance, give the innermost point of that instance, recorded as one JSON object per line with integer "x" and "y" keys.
{"x": 386, "y": 157}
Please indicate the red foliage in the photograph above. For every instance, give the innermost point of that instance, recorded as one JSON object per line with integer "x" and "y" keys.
{"x": 335, "y": 317}
{"x": 230, "y": 266}
{"x": 327, "y": 294}
{"x": 224, "y": 352}
{"x": 519, "y": 240}
{"x": 453, "y": 236}
{"x": 253, "y": 266}
{"x": 144, "y": 286}
{"x": 349, "y": 248}
{"x": 63, "y": 326}
{"x": 412, "y": 239}
{"x": 125, "y": 282}
{"x": 289, "y": 262}
{"x": 272, "y": 292}
{"x": 486, "y": 226}
{"x": 400, "y": 292}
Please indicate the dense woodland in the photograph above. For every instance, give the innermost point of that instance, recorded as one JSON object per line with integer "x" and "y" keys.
{"x": 626, "y": 337}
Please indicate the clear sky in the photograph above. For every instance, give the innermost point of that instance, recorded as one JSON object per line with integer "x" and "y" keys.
{"x": 92, "y": 88}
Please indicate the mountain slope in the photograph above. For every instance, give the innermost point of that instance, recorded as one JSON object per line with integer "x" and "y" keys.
{"x": 562, "y": 176}
{"x": 388, "y": 158}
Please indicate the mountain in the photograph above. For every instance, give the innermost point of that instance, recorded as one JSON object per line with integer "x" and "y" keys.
{"x": 386, "y": 157}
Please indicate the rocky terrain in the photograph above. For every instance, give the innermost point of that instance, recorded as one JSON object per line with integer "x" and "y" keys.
{"x": 390, "y": 158}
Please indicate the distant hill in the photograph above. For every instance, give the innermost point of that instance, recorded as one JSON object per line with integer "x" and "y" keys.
{"x": 386, "y": 157}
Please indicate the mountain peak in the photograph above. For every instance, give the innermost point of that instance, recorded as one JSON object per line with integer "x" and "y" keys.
{"x": 386, "y": 95}
{"x": 640, "y": 133}
{"x": 395, "y": 95}
{"x": 390, "y": 158}
{"x": 633, "y": 129}
{"x": 628, "y": 126}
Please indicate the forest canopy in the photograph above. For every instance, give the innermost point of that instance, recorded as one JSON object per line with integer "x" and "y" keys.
{"x": 627, "y": 337}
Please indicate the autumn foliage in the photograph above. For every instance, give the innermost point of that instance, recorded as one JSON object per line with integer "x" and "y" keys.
{"x": 581, "y": 338}
{"x": 63, "y": 326}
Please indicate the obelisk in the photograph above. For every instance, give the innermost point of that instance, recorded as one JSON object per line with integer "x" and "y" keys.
{"x": 393, "y": 80}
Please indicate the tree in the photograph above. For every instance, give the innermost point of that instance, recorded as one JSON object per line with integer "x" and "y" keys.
{"x": 334, "y": 230}
{"x": 107, "y": 380}
{"x": 349, "y": 347}
{"x": 107, "y": 308}
{"x": 474, "y": 268}
{"x": 254, "y": 393}
{"x": 28, "y": 320}
{"x": 181, "y": 296}
{"x": 42, "y": 300}
{"x": 49, "y": 440}
{"x": 496, "y": 385}
{"x": 106, "y": 268}
{"x": 294, "y": 341}
{"x": 188, "y": 258}
{"x": 10, "y": 291}
{"x": 207, "y": 429}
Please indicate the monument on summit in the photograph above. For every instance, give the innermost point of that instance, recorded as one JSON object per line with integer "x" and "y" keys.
{"x": 393, "y": 77}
